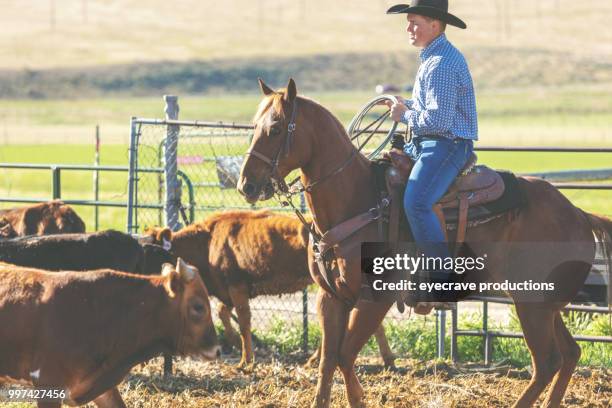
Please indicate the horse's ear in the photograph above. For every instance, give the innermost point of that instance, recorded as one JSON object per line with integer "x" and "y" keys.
{"x": 291, "y": 91}
{"x": 265, "y": 89}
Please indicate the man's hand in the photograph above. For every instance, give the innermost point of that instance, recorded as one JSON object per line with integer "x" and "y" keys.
{"x": 389, "y": 103}
{"x": 397, "y": 110}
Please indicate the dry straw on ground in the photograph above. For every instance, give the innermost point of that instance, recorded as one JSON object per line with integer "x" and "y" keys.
{"x": 275, "y": 383}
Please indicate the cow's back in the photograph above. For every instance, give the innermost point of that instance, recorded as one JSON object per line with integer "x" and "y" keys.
{"x": 107, "y": 249}
{"x": 266, "y": 250}
{"x": 53, "y": 217}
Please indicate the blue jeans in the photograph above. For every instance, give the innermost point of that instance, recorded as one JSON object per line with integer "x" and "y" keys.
{"x": 437, "y": 164}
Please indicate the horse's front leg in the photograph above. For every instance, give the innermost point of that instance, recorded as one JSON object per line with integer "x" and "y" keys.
{"x": 365, "y": 319}
{"x": 333, "y": 317}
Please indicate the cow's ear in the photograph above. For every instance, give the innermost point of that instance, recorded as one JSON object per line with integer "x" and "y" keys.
{"x": 149, "y": 235}
{"x": 30, "y": 221}
{"x": 171, "y": 279}
{"x": 164, "y": 235}
{"x": 186, "y": 271}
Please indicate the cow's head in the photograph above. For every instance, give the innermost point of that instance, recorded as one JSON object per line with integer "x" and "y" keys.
{"x": 154, "y": 257}
{"x": 6, "y": 229}
{"x": 196, "y": 335}
{"x": 161, "y": 236}
{"x": 67, "y": 220}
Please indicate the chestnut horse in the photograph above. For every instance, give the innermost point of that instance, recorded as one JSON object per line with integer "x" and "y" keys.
{"x": 294, "y": 132}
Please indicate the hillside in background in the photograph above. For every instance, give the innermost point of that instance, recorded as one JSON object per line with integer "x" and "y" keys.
{"x": 491, "y": 68}
{"x": 75, "y": 48}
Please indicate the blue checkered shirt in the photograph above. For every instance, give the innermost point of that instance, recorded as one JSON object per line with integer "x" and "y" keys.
{"x": 443, "y": 101}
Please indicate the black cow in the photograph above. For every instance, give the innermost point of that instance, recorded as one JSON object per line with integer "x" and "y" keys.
{"x": 78, "y": 252}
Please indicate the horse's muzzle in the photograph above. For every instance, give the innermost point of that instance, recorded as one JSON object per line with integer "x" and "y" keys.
{"x": 253, "y": 192}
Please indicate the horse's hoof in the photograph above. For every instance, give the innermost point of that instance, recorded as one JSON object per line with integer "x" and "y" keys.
{"x": 311, "y": 363}
{"x": 357, "y": 403}
{"x": 390, "y": 365}
{"x": 246, "y": 366}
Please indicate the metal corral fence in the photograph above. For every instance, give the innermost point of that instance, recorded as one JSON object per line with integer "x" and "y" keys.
{"x": 208, "y": 155}
{"x": 181, "y": 171}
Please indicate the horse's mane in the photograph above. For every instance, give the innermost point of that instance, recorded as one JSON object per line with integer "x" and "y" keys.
{"x": 274, "y": 100}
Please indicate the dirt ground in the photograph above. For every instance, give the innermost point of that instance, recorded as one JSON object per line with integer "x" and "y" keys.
{"x": 286, "y": 383}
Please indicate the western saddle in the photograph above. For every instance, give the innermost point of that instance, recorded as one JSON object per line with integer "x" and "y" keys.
{"x": 475, "y": 185}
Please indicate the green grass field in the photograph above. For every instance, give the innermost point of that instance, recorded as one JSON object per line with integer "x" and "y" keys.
{"x": 569, "y": 116}
{"x": 113, "y": 186}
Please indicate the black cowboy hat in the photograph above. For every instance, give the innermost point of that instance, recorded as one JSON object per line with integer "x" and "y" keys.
{"x": 437, "y": 9}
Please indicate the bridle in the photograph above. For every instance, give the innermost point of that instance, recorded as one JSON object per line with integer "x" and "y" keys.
{"x": 279, "y": 183}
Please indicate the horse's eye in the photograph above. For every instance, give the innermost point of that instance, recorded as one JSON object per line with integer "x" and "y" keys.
{"x": 274, "y": 130}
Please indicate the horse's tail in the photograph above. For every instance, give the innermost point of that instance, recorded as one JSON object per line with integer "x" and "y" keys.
{"x": 602, "y": 228}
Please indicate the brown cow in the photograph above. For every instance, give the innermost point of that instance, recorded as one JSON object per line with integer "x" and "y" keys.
{"x": 244, "y": 254}
{"x": 53, "y": 217}
{"x": 82, "y": 333}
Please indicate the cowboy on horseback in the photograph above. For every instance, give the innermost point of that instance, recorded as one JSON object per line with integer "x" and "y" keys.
{"x": 442, "y": 117}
